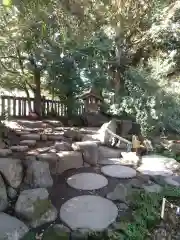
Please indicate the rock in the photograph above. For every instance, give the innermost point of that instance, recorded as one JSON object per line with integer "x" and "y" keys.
{"x": 47, "y": 157}
{"x": 38, "y": 175}
{"x": 130, "y": 158}
{"x": 174, "y": 181}
{"x": 63, "y": 146}
{"x": 103, "y": 135}
{"x": 136, "y": 183}
{"x": 51, "y": 158}
{"x": 19, "y": 148}
{"x": 119, "y": 193}
{"x": 55, "y": 137}
{"x": 12, "y": 171}
{"x": 122, "y": 206}
{"x": 73, "y": 134}
{"x": 11, "y": 227}
{"x": 49, "y": 216}
{"x": 3, "y": 195}
{"x": 68, "y": 160}
{"x": 31, "y": 136}
{"x": 2, "y": 144}
{"x": 12, "y": 193}
{"x": 107, "y": 152}
{"x": 5, "y": 152}
{"x": 92, "y": 137}
{"x": 175, "y": 147}
{"x": 155, "y": 188}
{"x": 30, "y": 143}
{"x": 34, "y": 206}
{"x": 89, "y": 150}
{"x": 158, "y": 165}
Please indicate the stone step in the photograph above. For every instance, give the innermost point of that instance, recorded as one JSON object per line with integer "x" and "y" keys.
{"x": 19, "y": 148}
{"x": 5, "y": 152}
{"x": 29, "y": 143}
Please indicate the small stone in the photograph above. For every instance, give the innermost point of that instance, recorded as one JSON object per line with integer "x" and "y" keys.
{"x": 155, "y": 188}
{"x": 12, "y": 193}
{"x": 5, "y": 152}
{"x": 19, "y": 148}
{"x": 119, "y": 193}
{"x": 30, "y": 143}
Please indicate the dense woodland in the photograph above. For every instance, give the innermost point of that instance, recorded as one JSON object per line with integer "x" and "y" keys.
{"x": 127, "y": 49}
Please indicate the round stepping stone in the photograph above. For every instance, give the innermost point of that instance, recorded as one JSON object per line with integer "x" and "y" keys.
{"x": 118, "y": 171}
{"x": 87, "y": 181}
{"x": 88, "y": 212}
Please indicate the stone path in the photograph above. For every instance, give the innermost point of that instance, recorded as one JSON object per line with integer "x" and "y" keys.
{"x": 44, "y": 155}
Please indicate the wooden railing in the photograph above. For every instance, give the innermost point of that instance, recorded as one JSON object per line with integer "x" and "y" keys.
{"x": 19, "y": 107}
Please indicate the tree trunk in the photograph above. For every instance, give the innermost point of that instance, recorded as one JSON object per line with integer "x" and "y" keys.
{"x": 28, "y": 98}
{"x": 37, "y": 94}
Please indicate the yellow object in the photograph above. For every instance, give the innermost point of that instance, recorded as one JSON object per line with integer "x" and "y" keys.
{"x": 135, "y": 142}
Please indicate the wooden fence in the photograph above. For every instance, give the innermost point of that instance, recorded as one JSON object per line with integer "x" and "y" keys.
{"x": 19, "y": 107}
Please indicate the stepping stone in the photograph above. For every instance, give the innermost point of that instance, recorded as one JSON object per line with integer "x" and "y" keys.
{"x": 87, "y": 181}
{"x": 118, "y": 171}
{"x": 88, "y": 212}
{"x": 19, "y": 148}
{"x": 30, "y": 143}
{"x": 5, "y": 152}
{"x": 31, "y": 136}
{"x": 158, "y": 165}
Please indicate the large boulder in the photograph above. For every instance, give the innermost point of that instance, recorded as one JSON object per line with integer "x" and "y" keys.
{"x": 68, "y": 160}
{"x": 103, "y": 134}
{"x": 38, "y": 175}
{"x": 89, "y": 150}
{"x": 34, "y": 206}
{"x": 107, "y": 152}
{"x": 12, "y": 171}
{"x": 73, "y": 134}
{"x": 11, "y": 227}
{"x": 3, "y": 195}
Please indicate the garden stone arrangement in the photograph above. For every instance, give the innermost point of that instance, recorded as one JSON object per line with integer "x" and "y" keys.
{"x": 66, "y": 178}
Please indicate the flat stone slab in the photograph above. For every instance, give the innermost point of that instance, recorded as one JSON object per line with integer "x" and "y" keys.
{"x": 107, "y": 152}
{"x": 158, "y": 165}
{"x": 110, "y": 161}
{"x": 30, "y": 143}
{"x": 19, "y": 148}
{"x": 87, "y": 181}
{"x": 88, "y": 212}
{"x": 5, "y": 152}
{"x": 31, "y": 136}
{"x": 118, "y": 171}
